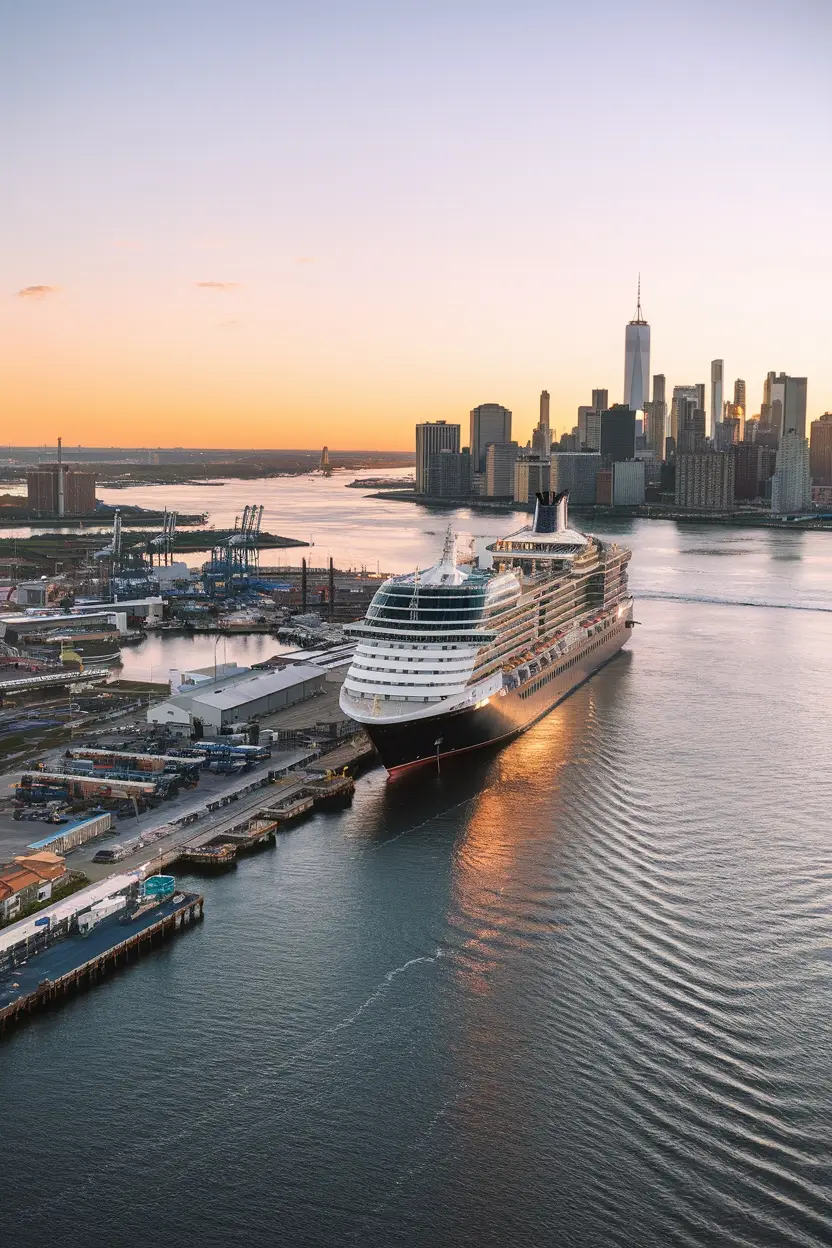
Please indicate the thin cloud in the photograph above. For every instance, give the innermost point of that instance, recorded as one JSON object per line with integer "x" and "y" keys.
{"x": 128, "y": 244}
{"x": 306, "y": 260}
{"x": 37, "y": 292}
{"x": 216, "y": 285}
{"x": 227, "y": 324}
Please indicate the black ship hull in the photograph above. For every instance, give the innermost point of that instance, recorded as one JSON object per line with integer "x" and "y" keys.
{"x": 419, "y": 741}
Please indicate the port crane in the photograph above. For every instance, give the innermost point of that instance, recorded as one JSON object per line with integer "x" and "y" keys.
{"x": 110, "y": 555}
{"x": 162, "y": 545}
{"x": 234, "y": 562}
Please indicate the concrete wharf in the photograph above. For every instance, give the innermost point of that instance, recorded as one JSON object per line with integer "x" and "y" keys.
{"x": 50, "y": 976}
{"x": 260, "y": 821}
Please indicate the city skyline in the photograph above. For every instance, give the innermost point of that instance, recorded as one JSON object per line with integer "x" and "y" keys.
{"x": 225, "y": 231}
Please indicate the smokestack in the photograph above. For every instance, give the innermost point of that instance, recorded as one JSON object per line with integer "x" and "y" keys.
{"x": 550, "y": 512}
{"x": 331, "y": 589}
{"x": 303, "y": 586}
{"x": 60, "y": 478}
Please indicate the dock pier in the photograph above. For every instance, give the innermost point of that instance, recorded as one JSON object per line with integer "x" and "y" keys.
{"x": 48, "y": 992}
{"x": 218, "y": 847}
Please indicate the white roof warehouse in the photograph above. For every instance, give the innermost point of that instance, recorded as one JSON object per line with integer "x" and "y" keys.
{"x": 238, "y": 698}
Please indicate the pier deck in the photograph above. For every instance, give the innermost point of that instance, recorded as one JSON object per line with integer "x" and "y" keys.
{"x": 78, "y": 961}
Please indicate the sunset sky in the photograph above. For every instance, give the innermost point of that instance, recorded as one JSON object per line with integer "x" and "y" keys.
{"x": 279, "y": 224}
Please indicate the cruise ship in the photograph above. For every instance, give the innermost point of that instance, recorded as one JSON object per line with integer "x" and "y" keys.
{"x": 461, "y": 656}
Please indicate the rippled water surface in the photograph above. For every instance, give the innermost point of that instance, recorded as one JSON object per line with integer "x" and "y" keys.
{"x": 575, "y": 992}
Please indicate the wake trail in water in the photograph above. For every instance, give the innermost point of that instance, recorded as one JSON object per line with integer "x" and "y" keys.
{"x": 420, "y": 1156}
{"x": 439, "y": 814}
{"x": 139, "y": 1151}
{"x": 659, "y": 596}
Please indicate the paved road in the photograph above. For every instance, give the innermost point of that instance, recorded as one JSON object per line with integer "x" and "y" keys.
{"x": 15, "y": 835}
{"x": 210, "y": 789}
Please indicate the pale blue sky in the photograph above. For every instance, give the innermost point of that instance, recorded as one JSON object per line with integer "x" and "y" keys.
{"x": 422, "y": 207}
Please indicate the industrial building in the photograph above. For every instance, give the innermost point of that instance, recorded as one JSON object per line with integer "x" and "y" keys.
{"x": 215, "y": 707}
{"x": 60, "y": 490}
{"x": 14, "y": 628}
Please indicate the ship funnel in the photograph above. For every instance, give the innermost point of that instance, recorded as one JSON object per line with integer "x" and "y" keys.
{"x": 550, "y": 512}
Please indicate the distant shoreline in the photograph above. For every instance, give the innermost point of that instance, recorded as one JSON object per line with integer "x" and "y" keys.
{"x": 646, "y": 511}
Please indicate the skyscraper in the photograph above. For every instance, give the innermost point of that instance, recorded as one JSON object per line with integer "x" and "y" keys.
{"x": 791, "y": 485}
{"x": 692, "y": 423}
{"x": 740, "y": 408}
{"x": 542, "y": 435}
{"x": 657, "y": 417}
{"x": 680, "y": 393}
{"x": 431, "y": 437}
{"x": 576, "y": 473}
{"x": 705, "y": 482}
{"x": 748, "y": 471}
{"x": 637, "y": 360}
{"x": 788, "y": 404}
{"x": 449, "y": 474}
{"x": 489, "y": 423}
{"x": 589, "y": 428}
{"x": 656, "y": 414}
{"x": 531, "y": 475}
{"x": 500, "y": 458}
{"x": 601, "y": 400}
{"x": 717, "y": 381}
{"x": 820, "y": 450}
{"x": 618, "y": 433}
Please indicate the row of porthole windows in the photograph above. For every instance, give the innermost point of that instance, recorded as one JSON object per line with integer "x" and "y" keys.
{"x": 394, "y": 684}
{"x": 381, "y": 647}
{"x": 550, "y": 676}
{"x": 415, "y": 662}
{"x": 364, "y": 664}
{"x": 387, "y": 697}
{"x": 375, "y": 673}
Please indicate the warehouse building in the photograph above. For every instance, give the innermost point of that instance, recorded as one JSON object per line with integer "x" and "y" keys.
{"x": 60, "y": 490}
{"x": 217, "y": 706}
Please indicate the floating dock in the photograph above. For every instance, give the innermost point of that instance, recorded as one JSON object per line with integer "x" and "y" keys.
{"x": 52, "y": 974}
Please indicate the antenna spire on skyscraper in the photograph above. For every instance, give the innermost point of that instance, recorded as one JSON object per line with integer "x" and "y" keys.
{"x": 638, "y": 319}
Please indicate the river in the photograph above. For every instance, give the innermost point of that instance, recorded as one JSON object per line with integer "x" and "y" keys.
{"x": 575, "y": 992}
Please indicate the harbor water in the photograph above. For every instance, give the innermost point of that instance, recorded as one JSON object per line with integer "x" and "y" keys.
{"x": 572, "y": 992}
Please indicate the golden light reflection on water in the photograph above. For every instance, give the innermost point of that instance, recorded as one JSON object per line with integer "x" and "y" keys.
{"x": 510, "y": 843}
